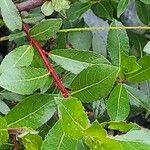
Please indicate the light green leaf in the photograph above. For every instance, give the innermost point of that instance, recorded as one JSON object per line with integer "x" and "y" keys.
{"x": 138, "y": 98}
{"x": 94, "y": 82}
{"x": 117, "y": 42}
{"x": 32, "y": 112}
{"x": 32, "y": 141}
{"x": 4, "y": 109}
{"x": 3, "y": 131}
{"x": 57, "y": 140}
{"x": 46, "y": 29}
{"x": 118, "y": 104}
{"x": 47, "y": 8}
{"x": 76, "y": 60}
{"x": 24, "y": 80}
{"x": 21, "y": 56}
{"x": 10, "y": 15}
{"x": 122, "y": 5}
{"x": 147, "y": 48}
{"x": 74, "y": 119}
{"x": 121, "y": 126}
{"x": 135, "y": 139}
{"x": 60, "y": 5}
{"x": 96, "y": 138}
{"x": 142, "y": 74}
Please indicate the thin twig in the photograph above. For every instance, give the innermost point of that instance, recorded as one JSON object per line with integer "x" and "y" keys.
{"x": 49, "y": 66}
{"x": 16, "y": 147}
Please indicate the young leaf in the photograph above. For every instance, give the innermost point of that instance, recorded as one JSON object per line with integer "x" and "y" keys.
{"x": 3, "y": 131}
{"x": 45, "y": 29}
{"x": 24, "y": 80}
{"x": 57, "y": 140}
{"x": 145, "y": 1}
{"x": 10, "y": 15}
{"x": 74, "y": 119}
{"x": 122, "y": 5}
{"x": 121, "y": 126}
{"x": 118, "y": 104}
{"x": 142, "y": 74}
{"x": 21, "y": 56}
{"x": 94, "y": 82}
{"x": 47, "y": 8}
{"x": 117, "y": 42}
{"x": 4, "y": 109}
{"x": 32, "y": 141}
{"x": 76, "y": 60}
{"x": 96, "y": 138}
{"x": 32, "y": 112}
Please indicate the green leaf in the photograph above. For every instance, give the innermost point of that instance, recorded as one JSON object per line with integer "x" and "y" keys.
{"x": 32, "y": 141}
{"x": 46, "y": 29}
{"x": 24, "y": 80}
{"x": 122, "y": 5}
{"x": 32, "y": 112}
{"x": 3, "y": 131}
{"x": 145, "y": 1}
{"x": 142, "y": 74}
{"x": 138, "y": 98}
{"x": 47, "y": 8}
{"x": 4, "y": 109}
{"x": 135, "y": 139}
{"x": 147, "y": 48}
{"x": 126, "y": 62}
{"x": 103, "y": 9}
{"x": 94, "y": 82}
{"x": 84, "y": 42}
{"x": 21, "y": 56}
{"x": 74, "y": 119}
{"x": 97, "y": 139}
{"x": 117, "y": 42}
{"x": 10, "y": 15}
{"x": 57, "y": 140}
{"x": 60, "y": 5}
{"x": 121, "y": 126}
{"x": 118, "y": 104}
{"x": 76, "y": 60}
{"x": 76, "y": 10}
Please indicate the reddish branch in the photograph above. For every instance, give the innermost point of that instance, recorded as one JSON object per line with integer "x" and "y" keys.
{"x": 49, "y": 66}
{"x": 29, "y": 4}
{"x": 16, "y": 147}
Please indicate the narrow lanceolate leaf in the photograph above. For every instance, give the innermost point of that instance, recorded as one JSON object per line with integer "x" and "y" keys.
{"x": 24, "y": 80}
{"x": 76, "y": 60}
{"x": 142, "y": 74}
{"x": 94, "y": 82}
{"x": 32, "y": 112}
{"x": 45, "y": 29}
{"x": 4, "y": 109}
{"x": 116, "y": 43}
{"x": 122, "y": 5}
{"x": 21, "y": 56}
{"x": 118, "y": 104}
{"x": 138, "y": 97}
{"x": 3, "y": 131}
{"x": 145, "y": 1}
{"x": 57, "y": 140}
{"x": 10, "y": 15}
{"x": 74, "y": 119}
{"x": 135, "y": 139}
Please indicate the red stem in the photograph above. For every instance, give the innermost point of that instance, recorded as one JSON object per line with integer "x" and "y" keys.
{"x": 15, "y": 143}
{"x": 49, "y": 67}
